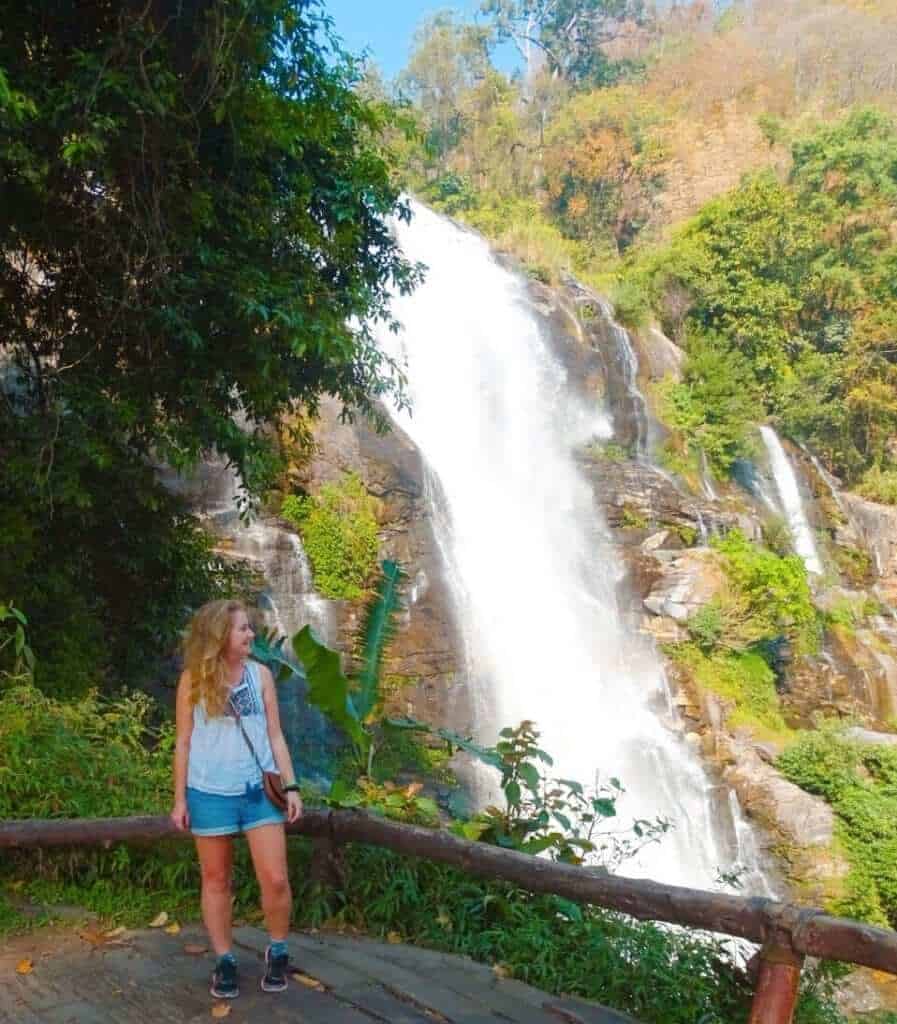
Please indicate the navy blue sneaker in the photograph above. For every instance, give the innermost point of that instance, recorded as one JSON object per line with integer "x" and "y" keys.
{"x": 275, "y": 979}
{"x": 224, "y": 979}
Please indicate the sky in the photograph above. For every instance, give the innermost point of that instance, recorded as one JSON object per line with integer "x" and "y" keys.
{"x": 386, "y": 27}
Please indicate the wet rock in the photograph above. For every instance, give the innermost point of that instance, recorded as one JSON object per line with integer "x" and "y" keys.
{"x": 877, "y": 527}
{"x": 689, "y": 581}
{"x": 423, "y": 661}
{"x": 887, "y": 739}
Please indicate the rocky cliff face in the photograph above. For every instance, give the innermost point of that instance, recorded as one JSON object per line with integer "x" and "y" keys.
{"x": 423, "y": 669}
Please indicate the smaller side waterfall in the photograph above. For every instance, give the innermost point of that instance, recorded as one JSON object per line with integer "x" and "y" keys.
{"x": 792, "y": 504}
{"x": 631, "y": 402}
{"x": 287, "y": 601}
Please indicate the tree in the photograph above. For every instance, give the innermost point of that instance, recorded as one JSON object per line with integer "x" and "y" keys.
{"x": 566, "y": 34}
{"x": 447, "y": 59}
{"x": 193, "y": 227}
{"x": 602, "y": 165}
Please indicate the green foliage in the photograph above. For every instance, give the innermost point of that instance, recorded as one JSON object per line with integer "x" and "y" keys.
{"x": 50, "y": 768}
{"x": 328, "y": 688}
{"x": 609, "y": 451}
{"x": 401, "y": 803}
{"x": 659, "y": 975}
{"x": 860, "y": 783}
{"x": 193, "y": 226}
{"x": 352, "y": 705}
{"x": 879, "y": 485}
{"x": 714, "y": 405}
{"x": 744, "y": 678}
{"x": 377, "y": 632}
{"x": 774, "y": 590}
{"x": 339, "y": 533}
{"x": 557, "y": 816}
{"x": 798, "y": 276}
{"x": 631, "y": 304}
{"x": 854, "y": 563}
{"x": 632, "y": 519}
{"x": 705, "y": 626}
{"x": 16, "y": 656}
{"x": 569, "y": 34}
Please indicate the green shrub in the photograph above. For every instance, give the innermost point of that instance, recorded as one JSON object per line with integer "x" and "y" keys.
{"x": 705, "y": 626}
{"x": 631, "y": 303}
{"x": 860, "y": 783}
{"x": 775, "y": 590}
{"x": 608, "y": 451}
{"x": 715, "y": 404}
{"x": 339, "y": 529}
{"x": 854, "y": 563}
{"x": 94, "y": 758}
{"x": 633, "y": 519}
{"x": 879, "y": 485}
{"x": 745, "y": 679}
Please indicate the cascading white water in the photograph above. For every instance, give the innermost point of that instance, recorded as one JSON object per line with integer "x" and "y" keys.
{"x": 629, "y": 361}
{"x": 792, "y": 505}
{"x": 290, "y": 599}
{"x": 531, "y": 564}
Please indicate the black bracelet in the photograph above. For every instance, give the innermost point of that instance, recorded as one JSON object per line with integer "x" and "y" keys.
{"x": 292, "y": 787}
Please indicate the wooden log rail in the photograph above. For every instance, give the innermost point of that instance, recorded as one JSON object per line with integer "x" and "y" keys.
{"x": 786, "y": 933}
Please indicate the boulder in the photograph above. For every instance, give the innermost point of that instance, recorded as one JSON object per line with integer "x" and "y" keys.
{"x": 689, "y": 580}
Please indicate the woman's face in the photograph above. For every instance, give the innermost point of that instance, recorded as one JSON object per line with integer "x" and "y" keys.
{"x": 239, "y": 640}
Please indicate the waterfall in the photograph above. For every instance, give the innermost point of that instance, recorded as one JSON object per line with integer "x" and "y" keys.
{"x": 288, "y": 600}
{"x": 532, "y": 567}
{"x": 632, "y": 402}
{"x": 791, "y": 503}
{"x": 707, "y": 479}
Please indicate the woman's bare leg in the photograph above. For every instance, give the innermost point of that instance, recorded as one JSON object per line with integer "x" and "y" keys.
{"x": 268, "y": 846}
{"x": 216, "y": 856}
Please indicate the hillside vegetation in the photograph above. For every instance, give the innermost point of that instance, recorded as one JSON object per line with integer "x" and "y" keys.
{"x": 731, "y": 176}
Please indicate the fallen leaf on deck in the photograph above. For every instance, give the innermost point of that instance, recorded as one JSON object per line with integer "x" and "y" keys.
{"x": 221, "y": 1009}
{"x": 159, "y": 920}
{"x": 307, "y": 980}
{"x": 24, "y": 967}
{"x": 194, "y": 949}
{"x": 173, "y": 928}
{"x": 114, "y": 933}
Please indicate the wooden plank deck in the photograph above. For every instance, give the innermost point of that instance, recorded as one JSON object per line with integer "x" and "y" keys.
{"x": 150, "y": 977}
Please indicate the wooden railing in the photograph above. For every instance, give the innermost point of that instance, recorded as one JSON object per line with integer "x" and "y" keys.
{"x": 785, "y": 933}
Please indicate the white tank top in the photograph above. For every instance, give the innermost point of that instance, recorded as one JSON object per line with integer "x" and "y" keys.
{"x": 219, "y": 760}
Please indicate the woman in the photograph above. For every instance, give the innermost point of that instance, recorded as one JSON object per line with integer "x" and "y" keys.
{"x": 218, "y": 782}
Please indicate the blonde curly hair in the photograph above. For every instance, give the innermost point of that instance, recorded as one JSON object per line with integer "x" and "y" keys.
{"x": 204, "y": 648}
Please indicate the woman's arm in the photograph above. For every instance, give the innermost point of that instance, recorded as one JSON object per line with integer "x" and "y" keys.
{"x": 279, "y": 747}
{"x": 183, "y": 732}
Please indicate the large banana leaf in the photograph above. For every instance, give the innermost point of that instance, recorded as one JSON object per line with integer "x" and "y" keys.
{"x": 328, "y": 688}
{"x": 269, "y": 651}
{"x": 379, "y": 628}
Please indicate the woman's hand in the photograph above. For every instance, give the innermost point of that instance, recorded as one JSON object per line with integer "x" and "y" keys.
{"x": 180, "y": 816}
{"x": 294, "y": 806}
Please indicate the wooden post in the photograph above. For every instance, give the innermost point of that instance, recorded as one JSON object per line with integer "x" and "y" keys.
{"x": 778, "y": 982}
{"x": 327, "y": 868}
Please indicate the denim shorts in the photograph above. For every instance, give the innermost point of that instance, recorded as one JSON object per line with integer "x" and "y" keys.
{"x": 214, "y": 815}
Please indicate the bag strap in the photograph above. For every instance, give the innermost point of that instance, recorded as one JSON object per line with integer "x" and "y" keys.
{"x": 239, "y": 719}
